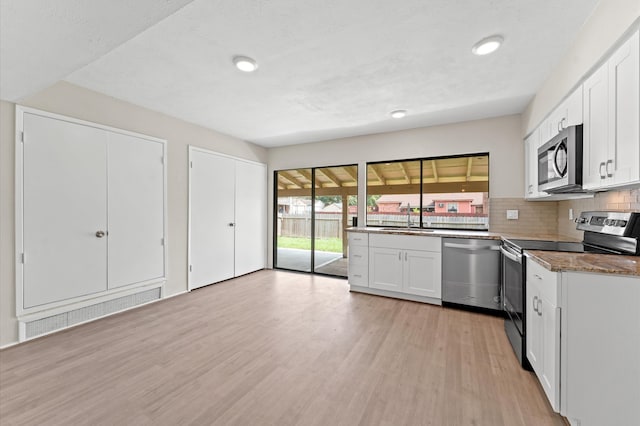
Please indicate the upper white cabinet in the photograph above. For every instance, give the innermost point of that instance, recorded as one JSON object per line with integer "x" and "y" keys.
{"x": 612, "y": 120}
{"x": 91, "y": 215}
{"x": 531, "y": 145}
{"x": 227, "y": 217}
{"x": 568, "y": 113}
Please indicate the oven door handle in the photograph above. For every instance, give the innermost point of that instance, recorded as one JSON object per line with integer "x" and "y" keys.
{"x": 515, "y": 257}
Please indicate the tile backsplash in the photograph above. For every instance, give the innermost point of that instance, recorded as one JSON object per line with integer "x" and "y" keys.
{"x": 533, "y": 216}
{"x": 627, "y": 200}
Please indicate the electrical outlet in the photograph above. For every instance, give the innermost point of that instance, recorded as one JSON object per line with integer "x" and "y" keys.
{"x": 512, "y": 214}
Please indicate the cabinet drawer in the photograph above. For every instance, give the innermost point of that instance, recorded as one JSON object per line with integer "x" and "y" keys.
{"x": 406, "y": 242}
{"x": 358, "y": 239}
{"x": 358, "y": 255}
{"x": 545, "y": 280}
{"x": 358, "y": 275}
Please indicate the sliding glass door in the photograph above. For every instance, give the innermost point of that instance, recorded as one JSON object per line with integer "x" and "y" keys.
{"x": 314, "y": 207}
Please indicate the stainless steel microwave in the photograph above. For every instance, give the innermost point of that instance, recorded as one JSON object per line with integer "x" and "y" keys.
{"x": 560, "y": 162}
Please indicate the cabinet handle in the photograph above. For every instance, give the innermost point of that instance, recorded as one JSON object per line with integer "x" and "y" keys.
{"x": 100, "y": 234}
{"x": 399, "y": 255}
{"x": 539, "y": 310}
{"x": 357, "y": 255}
{"x": 357, "y": 275}
{"x": 406, "y": 256}
{"x": 535, "y": 303}
{"x": 602, "y": 175}
{"x": 232, "y": 224}
{"x": 537, "y": 276}
{"x": 609, "y": 174}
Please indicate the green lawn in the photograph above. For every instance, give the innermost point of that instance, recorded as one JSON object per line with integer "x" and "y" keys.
{"x": 327, "y": 244}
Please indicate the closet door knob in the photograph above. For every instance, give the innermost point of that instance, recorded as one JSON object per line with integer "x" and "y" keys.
{"x": 232, "y": 224}
{"x": 100, "y": 234}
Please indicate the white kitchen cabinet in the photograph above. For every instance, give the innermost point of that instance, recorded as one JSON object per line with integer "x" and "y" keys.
{"x": 227, "y": 217}
{"x": 386, "y": 268}
{"x": 543, "y": 329}
{"x": 406, "y": 265}
{"x": 600, "y": 372}
{"x": 92, "y": 217}
{"x": 531, "y": 145}
{"x": 611, "y": 120}
{"x": 358, "y": 274}
{"x": 422, "y": 273}
{"x": 568, "y": 113}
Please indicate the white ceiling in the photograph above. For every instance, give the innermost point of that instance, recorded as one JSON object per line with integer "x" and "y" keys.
{"x": 328, "y": 69}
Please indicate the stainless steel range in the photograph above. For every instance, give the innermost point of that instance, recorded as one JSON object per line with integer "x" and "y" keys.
{"x": 604, "y": 233}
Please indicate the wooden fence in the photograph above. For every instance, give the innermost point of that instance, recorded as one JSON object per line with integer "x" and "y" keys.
{"x": 329, "y": 225}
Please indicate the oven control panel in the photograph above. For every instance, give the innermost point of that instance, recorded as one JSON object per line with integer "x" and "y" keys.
{"x": 625, "y": 224}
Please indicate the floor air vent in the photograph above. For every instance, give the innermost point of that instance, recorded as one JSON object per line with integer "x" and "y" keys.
{"x": 67, "y": 319}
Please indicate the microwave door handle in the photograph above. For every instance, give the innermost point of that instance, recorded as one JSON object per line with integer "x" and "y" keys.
{"x": 555, "y": 160}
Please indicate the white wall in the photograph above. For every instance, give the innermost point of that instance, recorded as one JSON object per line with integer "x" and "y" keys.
{"x": 67, "y": 99}
{"x": 500, "y": 137}
{"x": 606, "y": 25}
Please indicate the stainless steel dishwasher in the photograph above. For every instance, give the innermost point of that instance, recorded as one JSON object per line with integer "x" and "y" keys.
{"x": 471, "y": 272}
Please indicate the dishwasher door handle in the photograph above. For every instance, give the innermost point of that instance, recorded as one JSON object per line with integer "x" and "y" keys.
{"x": 471, "y": 248}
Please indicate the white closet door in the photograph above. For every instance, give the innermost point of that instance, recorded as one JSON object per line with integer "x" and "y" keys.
{"x": 251, "y": 217}
{"x": 136, "y": 210}
{"x": 65, "y": 204}
{"x": 211, "y": 219}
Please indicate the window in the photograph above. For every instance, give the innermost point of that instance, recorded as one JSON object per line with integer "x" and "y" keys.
{"x": 443, "y": 192}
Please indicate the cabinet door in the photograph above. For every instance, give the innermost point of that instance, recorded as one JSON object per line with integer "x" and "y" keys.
{"x": 422, "y": 273}
{"x": 250, "y": 217}
{"x": 533, "y": 329}
{"x": 528, "y": 167}
{"x": 64, "y": 205}
{"x": 136, "y": 209}
{"x": 574, "y": 107}
{"x": 211, "y": 231}
{"x": 623, "y": 160}
{"x": 385, "y": 268}
{"x": 549, "y": 356}
{"x": 595, "y": 130}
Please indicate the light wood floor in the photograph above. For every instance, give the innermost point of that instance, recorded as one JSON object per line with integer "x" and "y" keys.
{"x": 274, "y": 348}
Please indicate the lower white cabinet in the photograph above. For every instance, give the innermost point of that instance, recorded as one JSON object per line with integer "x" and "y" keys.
{"x": 358, "y": 259}
{"x": 543, "y": 329}
{"x": 398, "y": 265}
{"x": 407, "y": 271}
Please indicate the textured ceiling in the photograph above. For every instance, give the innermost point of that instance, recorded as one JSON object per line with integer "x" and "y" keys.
{"x": 42, "y": 41}
{"x": 329, "y": 68}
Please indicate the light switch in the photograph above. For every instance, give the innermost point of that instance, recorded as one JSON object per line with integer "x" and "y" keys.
{"x": 570, "y": 214}
{"x": 512, "y": 214}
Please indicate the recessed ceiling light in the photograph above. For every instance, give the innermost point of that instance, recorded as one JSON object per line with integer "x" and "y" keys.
{"x": 487, "y": 45}
{"x": 399, "y": 113}
{"x": 244, "y": 63}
